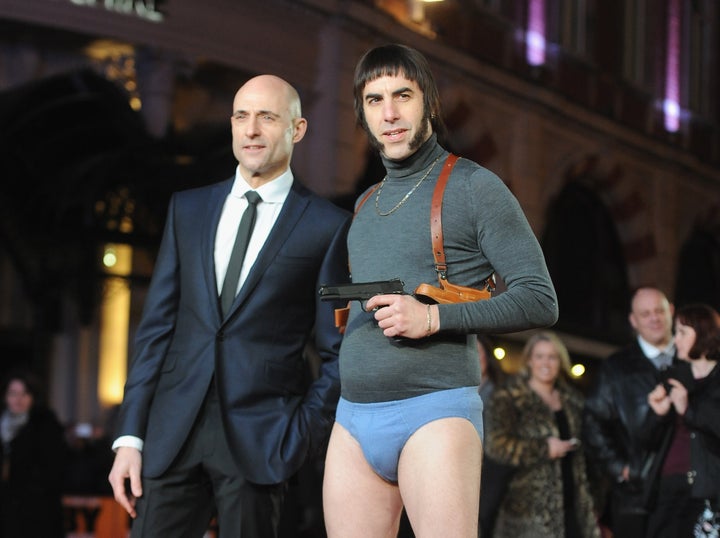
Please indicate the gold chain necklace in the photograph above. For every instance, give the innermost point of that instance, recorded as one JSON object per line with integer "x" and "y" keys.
{"x": 404, "y": 198}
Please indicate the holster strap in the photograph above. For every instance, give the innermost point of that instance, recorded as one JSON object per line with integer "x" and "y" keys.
{"x": 436, "y": 231}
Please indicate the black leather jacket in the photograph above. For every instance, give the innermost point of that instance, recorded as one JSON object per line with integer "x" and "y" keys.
{"x": 616, "y": 410}
{"x": 703, "y": 419}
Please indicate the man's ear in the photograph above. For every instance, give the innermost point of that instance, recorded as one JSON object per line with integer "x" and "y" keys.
{"x": 299, "y": 129}
{"x": 631, "y": 319}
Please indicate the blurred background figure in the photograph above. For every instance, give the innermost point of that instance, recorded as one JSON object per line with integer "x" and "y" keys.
{"x": 615, "y": 409}
{"x": 533, "y": 423}
{"x": 490, "y": 370}
{"x": 32, "y": 454}
{"x": 495, "y": 476}
{"x": 90, "y": 456}
{"x": 690, "y": 475}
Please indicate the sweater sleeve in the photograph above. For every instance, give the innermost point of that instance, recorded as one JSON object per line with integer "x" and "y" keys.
{"x": 507, "y": 242}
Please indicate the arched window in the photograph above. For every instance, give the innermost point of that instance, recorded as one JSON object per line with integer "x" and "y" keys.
{"x": 587, "y": 266}
{"x": 698, "y": 276}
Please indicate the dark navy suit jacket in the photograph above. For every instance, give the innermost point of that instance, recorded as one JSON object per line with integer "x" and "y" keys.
{"x": 274, "y": 412}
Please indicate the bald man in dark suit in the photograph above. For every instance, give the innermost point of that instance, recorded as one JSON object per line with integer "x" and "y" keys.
{"x": 219, "y": 410}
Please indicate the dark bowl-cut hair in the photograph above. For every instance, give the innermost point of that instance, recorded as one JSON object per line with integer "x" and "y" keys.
{"x": 393, "y": 60}
{"x": 705, "y": 321}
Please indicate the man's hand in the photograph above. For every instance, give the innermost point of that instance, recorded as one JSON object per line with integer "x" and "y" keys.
{"x": 127, "y": 464}
{"x": 659, "y": 401}
{"x": 404, "y": 316}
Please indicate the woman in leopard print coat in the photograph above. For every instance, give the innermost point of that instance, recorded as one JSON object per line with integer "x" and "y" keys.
{"x": 533, "y": 422}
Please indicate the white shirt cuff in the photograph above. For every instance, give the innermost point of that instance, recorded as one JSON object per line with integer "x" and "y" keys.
{"x": 128, "y": 440}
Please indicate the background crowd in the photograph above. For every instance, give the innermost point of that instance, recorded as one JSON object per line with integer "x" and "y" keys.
{"x": 638, "y": 455}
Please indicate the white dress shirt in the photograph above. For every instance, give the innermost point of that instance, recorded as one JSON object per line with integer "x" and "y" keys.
{"x": 273, "y": 196}
{"x": 653, "y": 353}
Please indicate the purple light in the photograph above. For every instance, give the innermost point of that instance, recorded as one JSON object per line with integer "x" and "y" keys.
{"x": 535, "y": 36}
{"x": 671, "y": 104}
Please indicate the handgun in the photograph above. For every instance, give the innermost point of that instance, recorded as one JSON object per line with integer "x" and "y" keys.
{"x": 360, "y": 291}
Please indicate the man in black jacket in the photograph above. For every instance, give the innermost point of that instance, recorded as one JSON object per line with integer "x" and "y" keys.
{"x": 617, "y": 406}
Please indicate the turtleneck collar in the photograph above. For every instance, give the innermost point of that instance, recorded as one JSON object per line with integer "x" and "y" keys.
{"x": 415, "y": 163}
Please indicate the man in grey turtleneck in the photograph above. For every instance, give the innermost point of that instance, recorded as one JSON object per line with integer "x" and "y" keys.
{"x": 409, "y": 425}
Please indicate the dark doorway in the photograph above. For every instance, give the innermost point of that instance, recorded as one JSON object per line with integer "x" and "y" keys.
{"x": 587, "y": 265}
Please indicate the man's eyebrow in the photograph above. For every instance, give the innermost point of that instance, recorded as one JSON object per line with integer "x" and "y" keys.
{"x": 404, "y": 89}
{"x": 259, "y": 112}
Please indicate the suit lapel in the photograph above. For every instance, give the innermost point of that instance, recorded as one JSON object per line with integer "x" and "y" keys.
{"x": 291, "y": 213}
{"x": 215, "y": 203}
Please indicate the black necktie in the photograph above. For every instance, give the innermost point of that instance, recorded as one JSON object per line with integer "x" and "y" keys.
{"x": 232, "y": 276}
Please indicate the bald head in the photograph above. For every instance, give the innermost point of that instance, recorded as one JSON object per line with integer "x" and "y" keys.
{"x": 274, "y": 85}
{"x": 266, "y": 124}
{"x": 651, "y": 316}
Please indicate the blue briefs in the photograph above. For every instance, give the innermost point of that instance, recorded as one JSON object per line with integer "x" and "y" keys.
{"x": 383, "y": 428}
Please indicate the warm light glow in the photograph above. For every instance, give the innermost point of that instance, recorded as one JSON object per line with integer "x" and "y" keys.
{"x": 109, "y": 257}
{"x": 102, "y": 49}
{"x": 409, "y": 13}
{"x": 499, "y": 353}
{"x": 114, "y": 325}
{"x": 417, "y": 11}
{"x": 117, "y": 61}
{"x": 535, "y": 36}
{"x": 577, "y": 370}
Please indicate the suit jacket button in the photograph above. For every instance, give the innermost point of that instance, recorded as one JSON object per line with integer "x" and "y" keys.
{"x": 220, "y": 335}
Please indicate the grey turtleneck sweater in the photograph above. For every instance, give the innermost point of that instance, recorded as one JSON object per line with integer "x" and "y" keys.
{"x": 485, "y": 231}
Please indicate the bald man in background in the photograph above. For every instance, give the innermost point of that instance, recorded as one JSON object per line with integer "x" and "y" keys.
{"x": 616, "y": 408}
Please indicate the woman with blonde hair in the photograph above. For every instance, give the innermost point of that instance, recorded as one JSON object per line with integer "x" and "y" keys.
{"x": 534, "y": 423}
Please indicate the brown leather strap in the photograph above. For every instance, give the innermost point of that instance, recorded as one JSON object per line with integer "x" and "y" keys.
{"x": 436, "y": 218}
{"x": 365, "y": 198}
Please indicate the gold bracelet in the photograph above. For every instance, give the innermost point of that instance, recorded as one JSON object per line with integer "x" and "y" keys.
{"x": 429, "y": 321}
